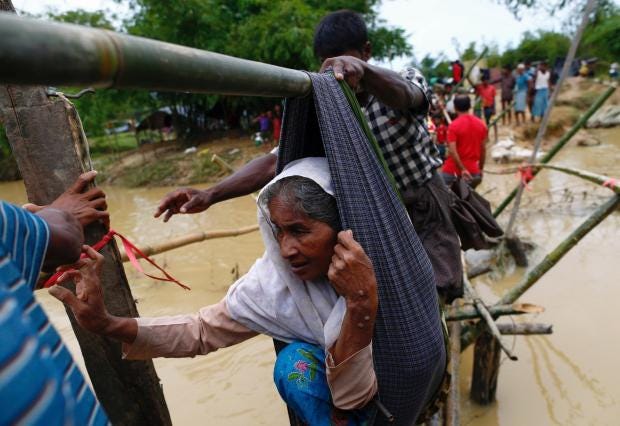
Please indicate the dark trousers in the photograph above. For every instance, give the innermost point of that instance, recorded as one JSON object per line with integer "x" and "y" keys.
{"x": 428, "y": 206}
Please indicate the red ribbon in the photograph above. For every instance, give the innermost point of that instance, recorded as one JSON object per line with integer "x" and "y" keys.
{"x": 610, "y": 183}
{"x": 131, "y": 250}
{"x": 526, "y": 175}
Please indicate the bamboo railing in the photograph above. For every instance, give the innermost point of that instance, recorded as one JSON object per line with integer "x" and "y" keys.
{"x": 195, "y": 237}
{"x": 561, "y": 143}
{"x": 46, "y": 53}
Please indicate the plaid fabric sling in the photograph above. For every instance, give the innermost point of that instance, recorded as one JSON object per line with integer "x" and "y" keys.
{"x": 408, "y": 344}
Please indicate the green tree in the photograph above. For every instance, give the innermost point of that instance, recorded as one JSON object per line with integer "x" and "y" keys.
{"x": 434, "y": 67}
{"x": 96, "y": 19}
{"x": 97, "y": 110}
{"x": 278, "y": 32}
{"x": 601, "y": 37}
{"x": 542, "y": 45}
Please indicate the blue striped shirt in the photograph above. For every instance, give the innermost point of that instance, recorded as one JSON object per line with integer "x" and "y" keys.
{"x": 39, "y": 381}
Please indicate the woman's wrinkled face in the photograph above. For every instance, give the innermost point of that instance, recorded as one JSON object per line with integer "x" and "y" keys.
{"x": 305, "y": 243}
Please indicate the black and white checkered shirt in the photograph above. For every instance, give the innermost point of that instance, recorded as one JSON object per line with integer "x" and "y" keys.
{"x": 403, "y": 136}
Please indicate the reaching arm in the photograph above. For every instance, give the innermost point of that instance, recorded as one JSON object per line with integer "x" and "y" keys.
{"x": 452, "y": 152}
{"x": 251, "y": 177}
{"x": 388, "y": 86}
{"x": 66, "y": 238}
{"x": 66, "y": 216}
{"x": 143, "y": 338}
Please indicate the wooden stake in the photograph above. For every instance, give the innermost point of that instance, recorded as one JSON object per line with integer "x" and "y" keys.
{"x": 47, "y": 142}
{"x": 488, "y": 319}
{"x": 486, "y": 368}
{"x": 453, "y": 404}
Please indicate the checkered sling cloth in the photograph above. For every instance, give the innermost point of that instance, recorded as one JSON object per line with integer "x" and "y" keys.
{"x": 408, "y": 344}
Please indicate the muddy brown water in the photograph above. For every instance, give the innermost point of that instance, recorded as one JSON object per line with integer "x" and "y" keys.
{"x": 570, "y": 377}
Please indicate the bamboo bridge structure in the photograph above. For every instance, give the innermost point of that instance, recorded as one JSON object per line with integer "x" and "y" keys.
{"x": 36, "y": 54}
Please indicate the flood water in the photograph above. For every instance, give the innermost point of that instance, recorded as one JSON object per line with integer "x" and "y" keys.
{"x": 569, "y": 378}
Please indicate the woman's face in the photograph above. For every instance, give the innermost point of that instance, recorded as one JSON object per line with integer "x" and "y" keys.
{"x": 305, "y": 243}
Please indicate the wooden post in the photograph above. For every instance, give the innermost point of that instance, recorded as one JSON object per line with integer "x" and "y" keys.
{"x": 453, "y": 404}
{"x": 51, "y": 151}
{"x": 486, "y": 368}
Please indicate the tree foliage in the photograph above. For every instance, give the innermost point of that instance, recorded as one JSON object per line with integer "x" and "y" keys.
{"x": 601, "y": 37}
{"x": 278, "y": 32}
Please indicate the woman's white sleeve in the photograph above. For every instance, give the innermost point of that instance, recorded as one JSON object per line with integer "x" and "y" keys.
{"x": 353, "y": 382}
{"x": 187, "y": 335}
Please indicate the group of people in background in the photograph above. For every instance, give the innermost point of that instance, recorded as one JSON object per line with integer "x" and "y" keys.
{"x": 269, "y": 126}
{"x": 461, "y": 128}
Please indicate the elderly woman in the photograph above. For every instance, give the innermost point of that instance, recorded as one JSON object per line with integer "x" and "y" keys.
{"x": 314, "y": 288}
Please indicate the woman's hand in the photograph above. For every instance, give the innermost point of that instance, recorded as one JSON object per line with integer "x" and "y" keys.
{"x": 351, "y": 272}
{"x": 352, "y": 275}
{"x": 87, "y": 303}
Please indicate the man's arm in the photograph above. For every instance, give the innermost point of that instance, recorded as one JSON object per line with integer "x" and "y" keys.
{"x": 66, "y": 217}
{"x": 66, "y": 238}
{"x": 483, "y": 154}
{"x": 452, "y": 152}
{"x": 251, "y": 177}
{"x": 144, "y": 338}
{"x": 388, "y": 86}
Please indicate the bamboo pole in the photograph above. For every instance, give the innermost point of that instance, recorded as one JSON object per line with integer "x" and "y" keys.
{"x": 469, "y": 334}
{"x": 564, "y": 247}
{"x": 488, "y": 319}
{"x": 561, "y": 143}
{"x": 499, "y": 117}
{"x": 485, "y": 373}
{"x": 610, "y": 183}
{"x": 590, "y": 7}
{"x": 47, "y": 53}
{"x": 470, "y": 312}
{"x": 527, "y": 328}
{"x": 192, "y": 238}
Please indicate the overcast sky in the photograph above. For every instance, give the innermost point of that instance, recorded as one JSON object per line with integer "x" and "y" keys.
{"x": 431, "y": 25}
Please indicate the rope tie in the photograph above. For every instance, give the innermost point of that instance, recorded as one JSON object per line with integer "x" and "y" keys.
{"x": 526, "y": 175}
{"x": 133, "y": 253}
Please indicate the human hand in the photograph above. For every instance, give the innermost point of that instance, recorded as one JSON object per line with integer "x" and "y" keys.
{"x": 347, "y": 68}
{"x": 183, "y": 200}
{"x": 87, "y": 207}
{"x": 467, "y": 177}
{"x": 351, "y": 272}
{"x": 87, "y": 303}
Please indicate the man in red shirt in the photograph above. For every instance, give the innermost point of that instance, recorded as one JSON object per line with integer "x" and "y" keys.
{"x": 467, "y": 136}
{"x": 457, "y": 71}
{"x": 487, "y": 94}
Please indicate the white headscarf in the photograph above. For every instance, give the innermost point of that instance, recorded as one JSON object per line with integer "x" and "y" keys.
{"x": 271, "y": 299}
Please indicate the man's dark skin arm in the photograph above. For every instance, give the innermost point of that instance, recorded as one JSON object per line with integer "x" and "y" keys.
{"x": 66, "y": 238}
{"x": 250, "y": 178}
{"x": 388, "y": 86}
{"x": 66, "y": 217}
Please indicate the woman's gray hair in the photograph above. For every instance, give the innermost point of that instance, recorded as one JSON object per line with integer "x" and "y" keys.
{"x": 306, "y": 196}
